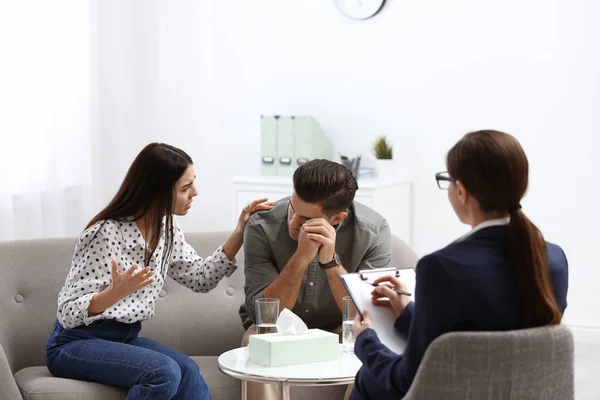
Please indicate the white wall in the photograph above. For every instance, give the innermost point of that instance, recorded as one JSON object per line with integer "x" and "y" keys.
{"x": 198, "y": 75}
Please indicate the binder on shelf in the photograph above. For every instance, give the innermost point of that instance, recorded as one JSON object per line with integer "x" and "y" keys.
{"x": 268, "y": 127}
{"x": 290, "y": 141}
{"x": 285, "y": 146}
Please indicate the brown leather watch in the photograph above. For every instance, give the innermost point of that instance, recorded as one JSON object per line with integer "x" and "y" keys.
{"x": 333, "y": 263}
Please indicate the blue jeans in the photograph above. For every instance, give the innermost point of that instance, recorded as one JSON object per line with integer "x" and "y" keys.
{"x": 111, "y": 353}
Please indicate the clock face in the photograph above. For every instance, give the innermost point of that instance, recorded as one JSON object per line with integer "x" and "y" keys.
{"x": 359, "y": 9}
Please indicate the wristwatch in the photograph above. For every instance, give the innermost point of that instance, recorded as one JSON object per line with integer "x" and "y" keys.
{"x": 333, "y": 263}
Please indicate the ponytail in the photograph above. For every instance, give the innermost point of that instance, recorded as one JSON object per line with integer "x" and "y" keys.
{"x": 528, "y": 253}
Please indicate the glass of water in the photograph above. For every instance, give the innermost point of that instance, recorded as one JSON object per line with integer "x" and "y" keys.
{"x": 267, "y": 312}
{"x": 349, "y": 312}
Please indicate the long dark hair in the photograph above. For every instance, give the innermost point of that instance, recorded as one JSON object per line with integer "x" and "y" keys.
{"x": 494, "y": 170}
{"x": 147, "y": 191}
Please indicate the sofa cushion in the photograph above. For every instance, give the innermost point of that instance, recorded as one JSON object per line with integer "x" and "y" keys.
{"x": 36, "y": 383}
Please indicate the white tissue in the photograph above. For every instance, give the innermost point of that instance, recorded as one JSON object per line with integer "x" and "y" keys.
{"x": 289, "y": 323}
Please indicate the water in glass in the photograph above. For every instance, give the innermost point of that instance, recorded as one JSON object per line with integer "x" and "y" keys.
{"x": 348, "y": 337}
{"x": 266, "y": 328}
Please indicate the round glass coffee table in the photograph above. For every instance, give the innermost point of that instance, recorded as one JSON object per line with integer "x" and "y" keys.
{"x": 236, "y": 363}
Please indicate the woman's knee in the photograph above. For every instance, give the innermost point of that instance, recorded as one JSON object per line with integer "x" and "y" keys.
{"x": 189, "y": 366}
{"x": 167, "y": 375}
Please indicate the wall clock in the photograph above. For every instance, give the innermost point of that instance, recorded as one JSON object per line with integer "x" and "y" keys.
{"x": 359, "y": 9}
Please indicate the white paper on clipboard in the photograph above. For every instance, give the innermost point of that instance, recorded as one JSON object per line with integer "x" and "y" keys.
{"x": 359, "y": 286}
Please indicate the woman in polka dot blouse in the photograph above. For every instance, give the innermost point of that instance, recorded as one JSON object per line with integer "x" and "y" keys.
{"x": 120, "y": 264}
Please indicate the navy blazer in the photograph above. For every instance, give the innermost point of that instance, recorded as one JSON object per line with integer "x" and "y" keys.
{"x": 467, "y": 286}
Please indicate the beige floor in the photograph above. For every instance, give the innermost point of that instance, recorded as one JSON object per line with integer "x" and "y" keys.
{"x": 587, "y": 371}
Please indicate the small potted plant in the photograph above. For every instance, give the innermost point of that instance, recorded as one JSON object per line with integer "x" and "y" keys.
{"x": 383, "y": 151}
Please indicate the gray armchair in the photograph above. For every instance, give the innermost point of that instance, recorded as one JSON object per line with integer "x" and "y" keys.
{"x": 527, "y": 364}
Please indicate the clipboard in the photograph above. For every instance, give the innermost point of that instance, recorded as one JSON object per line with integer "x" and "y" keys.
{"x": 359, "y": 287}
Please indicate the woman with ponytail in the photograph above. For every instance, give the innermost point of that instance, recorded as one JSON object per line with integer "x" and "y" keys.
{"x": 502, "y": 275}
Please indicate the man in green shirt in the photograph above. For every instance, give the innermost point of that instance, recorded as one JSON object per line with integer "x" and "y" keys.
{"x": 296, "y": 251}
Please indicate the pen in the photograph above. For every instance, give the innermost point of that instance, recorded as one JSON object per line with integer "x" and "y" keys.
{"x": 395, "y": 290}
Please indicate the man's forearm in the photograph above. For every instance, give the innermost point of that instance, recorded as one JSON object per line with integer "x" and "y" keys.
{"x": 287, "y": 285}
{"x": 336, "y": 285}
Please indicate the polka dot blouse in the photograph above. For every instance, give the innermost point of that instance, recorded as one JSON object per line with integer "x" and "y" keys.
{"x": 91, "y": 272}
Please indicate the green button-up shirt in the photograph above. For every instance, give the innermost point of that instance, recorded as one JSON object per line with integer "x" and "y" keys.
{"x": 363, "y": 241}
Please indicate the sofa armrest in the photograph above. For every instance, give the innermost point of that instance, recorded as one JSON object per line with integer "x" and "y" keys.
{"x": 8, "y": 386}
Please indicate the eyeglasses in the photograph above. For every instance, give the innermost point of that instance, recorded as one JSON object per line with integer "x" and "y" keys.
{"x": 444, "y": 180}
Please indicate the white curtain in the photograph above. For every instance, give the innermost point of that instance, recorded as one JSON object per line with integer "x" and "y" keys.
{"x": 45, "y": 118}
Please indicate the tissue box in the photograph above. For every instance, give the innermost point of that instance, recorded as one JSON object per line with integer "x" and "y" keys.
{"x": 275, "y": 350}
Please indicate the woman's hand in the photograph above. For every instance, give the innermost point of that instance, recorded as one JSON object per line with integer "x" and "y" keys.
{"x": 385, "y": 296}
{"x": 234, "y": 243}
{"x": 255, "y": 206}
{"x": 121, "y": 286}
{"x": 125, "y": 283}
{"x": 359, "y": 325}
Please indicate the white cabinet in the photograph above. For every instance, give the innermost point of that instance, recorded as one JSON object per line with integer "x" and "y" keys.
{"x": 390, "y": 198}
